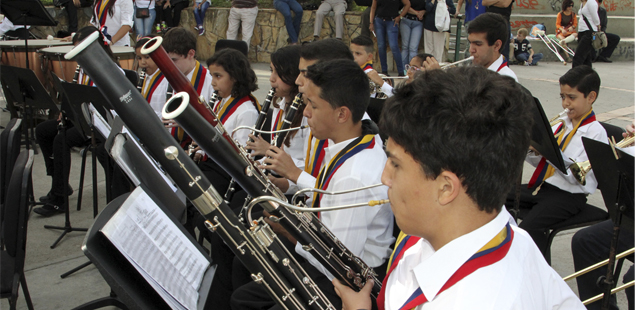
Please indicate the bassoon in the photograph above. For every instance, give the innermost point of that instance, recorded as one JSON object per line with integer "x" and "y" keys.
{"x": 258, "y": 248}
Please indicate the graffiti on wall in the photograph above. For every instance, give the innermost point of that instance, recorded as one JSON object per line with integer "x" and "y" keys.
{"x": 516, "y": 24}
{"x": 528, "y": 4}
{"x": 556, "y": 5}
{"x": 618, "y": 5}
{"x": 625, "y": 52}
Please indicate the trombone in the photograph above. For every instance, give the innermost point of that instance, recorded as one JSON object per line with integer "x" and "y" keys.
{"x": 598, "y": 265}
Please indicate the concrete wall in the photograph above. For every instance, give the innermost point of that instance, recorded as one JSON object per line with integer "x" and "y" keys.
{"x": 613, "y": 7}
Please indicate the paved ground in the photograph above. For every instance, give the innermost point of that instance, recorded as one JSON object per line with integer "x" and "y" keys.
{"x": 44, "y": 265}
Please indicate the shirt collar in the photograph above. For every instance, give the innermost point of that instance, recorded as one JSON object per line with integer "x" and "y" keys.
{"x": 496, "y": 64}
{"x": 333, "y": 148}
{"x": 436, "y": 270}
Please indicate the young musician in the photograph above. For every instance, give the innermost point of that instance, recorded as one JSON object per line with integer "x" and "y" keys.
{"x": 336, "y": 95}
{"x": 155, "y": 85}
{"x": 284, "y": 71}
{"x": 487, "y": 33}
{"x": 363, "y": 49}
{"x": 317, "y": 51}
{"x": 458, "y": 248}
{"x": 553, "y": 196}
{"x": 180, "y": 44}
{"x": 418, "y": 64}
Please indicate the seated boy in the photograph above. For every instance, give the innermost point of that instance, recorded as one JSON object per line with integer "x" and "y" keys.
{"x": 447, "y": 185}
{"x": 336, "y": 94}
{"x": 523, "y": 51}
{"x": 552, "y": 196}
{"x": 363, "y": 49}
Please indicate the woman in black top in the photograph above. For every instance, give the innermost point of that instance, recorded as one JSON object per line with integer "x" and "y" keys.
{"x": 386, "y": 17}
{"x": 411, "y": 29}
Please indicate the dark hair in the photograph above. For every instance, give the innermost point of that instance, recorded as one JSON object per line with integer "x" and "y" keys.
{"x": 479, "y": 131}
{"x": 424, "y": 56}
{"x": 583, "y": 78}
{"x": 366, "y": 42}
{"x": 285, "y": 60}
{"x": 238, "y": 68}
{"x": 179, "y": 40}
{"x": 567, "y": 3}
{"x": 143, "y": 41}
{"x": 342, "y": 83}
{"x": 83, "y": 33}
{"x": 327, "y": 49}
{"x": 493, "y": 25}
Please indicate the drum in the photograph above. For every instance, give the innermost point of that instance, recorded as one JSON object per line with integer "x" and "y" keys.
{"x": 53, "y": 59}
{"x": 14, "y": 54}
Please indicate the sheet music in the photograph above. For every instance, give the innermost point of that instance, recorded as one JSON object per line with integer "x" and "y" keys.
{"x": 156, "y": 247}
{"x": 99, "y": 122}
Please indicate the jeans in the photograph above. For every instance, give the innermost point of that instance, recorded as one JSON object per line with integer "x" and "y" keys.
{"x": 524, "y": 56}
{"x": 505, "y": 48}
{"x": 143, "y": 26}
{"x": 411, "y": 31}
{"x": 246, "y": 17}
{"x": 293, "y": 24}
{"x": 199, "y": 14}
{"x": 387, "y": 28}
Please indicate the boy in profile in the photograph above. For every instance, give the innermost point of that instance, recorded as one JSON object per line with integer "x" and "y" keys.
{"x": 363, "y": 50}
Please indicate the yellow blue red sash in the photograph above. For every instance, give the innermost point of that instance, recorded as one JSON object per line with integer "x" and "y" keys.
{"x": 277, "y": 125}
{"x": 314, "y": 156}
{"x": 489, "y": 254}
{"x": 85, "y": 80}
{"x": 150, "y": 86}
{"x": 543, "y": 170}
{"x": 368, "y": 65}
{"x": 101, "y": 10}
{"x": 198, "y": 77}
{"x": 224, "y": 111}
{"x": 327, "y": 172}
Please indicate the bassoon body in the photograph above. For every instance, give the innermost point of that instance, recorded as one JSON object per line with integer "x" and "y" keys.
{"x": 258, "y": 248}
{"x": 197, "y": 121}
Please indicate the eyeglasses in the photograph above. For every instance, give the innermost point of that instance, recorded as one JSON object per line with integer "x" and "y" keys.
{"x": 408, "y": 67}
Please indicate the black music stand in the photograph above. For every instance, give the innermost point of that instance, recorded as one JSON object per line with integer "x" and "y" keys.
{"x": 543, "y": 140}
{"x": 131, "y": 289}
{"x": 27, "y": 13}
{"x": 28, "y": 91}
{"x": 613, "y": 170}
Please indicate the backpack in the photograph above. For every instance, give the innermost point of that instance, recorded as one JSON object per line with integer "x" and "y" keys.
{"x": 442, "y": 16}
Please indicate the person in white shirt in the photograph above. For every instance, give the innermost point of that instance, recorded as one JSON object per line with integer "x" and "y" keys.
{"x": 336, "y": 94}
{"x": 154, "y": 86}
{"x": 459, "y": 248}
{"x": 363, "y": 49}
{"x": 588, "y": 12}
{"x": 114, "y": 18}
{"x": 553, "y": 196}
{"x": 486, "y": 34}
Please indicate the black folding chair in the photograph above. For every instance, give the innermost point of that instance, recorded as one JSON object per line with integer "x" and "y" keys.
{"x": 235, "y": 44}
{"x": 16, "y": 213}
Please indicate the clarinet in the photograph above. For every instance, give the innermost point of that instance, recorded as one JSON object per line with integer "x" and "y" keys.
{"x": 288, "y": 120}
{"x": 142, "y": 79}
{"x": 316, "y": 238}
{"x": 306, "y": 228}
{"x": 258, "y": 248}
{"x": 260, "y": 122}
{"x": 76, "y": 75}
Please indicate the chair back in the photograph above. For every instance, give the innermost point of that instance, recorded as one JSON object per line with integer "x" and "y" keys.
{"x": 16, "y": 208}
{"x": 132, "y": 76}
{"x": 235, "y": 44}
{"x": 9, "y": 150}
{"x": 613, "y": 131}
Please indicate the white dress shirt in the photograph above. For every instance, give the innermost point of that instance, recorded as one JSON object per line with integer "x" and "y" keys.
{"x": 590, "y": 10}
{"x": 575, "y": 151}
{"x": 520, "y": 280}
{"x": 244, "y": 115}
{"x": 122, "y": 14}
{"x": 158, "y": 98}
{"x": 365, "y": 231}
{"x": 503, "y": 71}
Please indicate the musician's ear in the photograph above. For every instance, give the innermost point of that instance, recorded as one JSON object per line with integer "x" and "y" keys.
{"x": 449, "y": 186}
{"x": 498, "y": 45}
{"x": 191, "y": 54}
{"x": 344, "y": 114}
{"x": 592, "y": 96}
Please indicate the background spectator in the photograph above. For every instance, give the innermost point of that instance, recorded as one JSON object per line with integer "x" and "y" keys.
{"x": 411, "y": 29}
{"x": 523, "y": 51}
{"x": 612, "y": 38}
{"x": 242, "y": 12}
{"x": 160, "y": 20}
{"x": 172, "y": 11}
{"x": 433, "y": 39}
{"x": 473, "y": 8}
{"x": 143, "y": 26}
{"x": 583, "y": 53}
{"x": 566, "y": 25}
{"x": 339, "y": 8}
{"x": 293, "y": 24}
{"x": 386, "y": 17}
{"x": 71, "y": 7}
{"x": 504, "y": 8}
{"x": 199, "y": 14}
